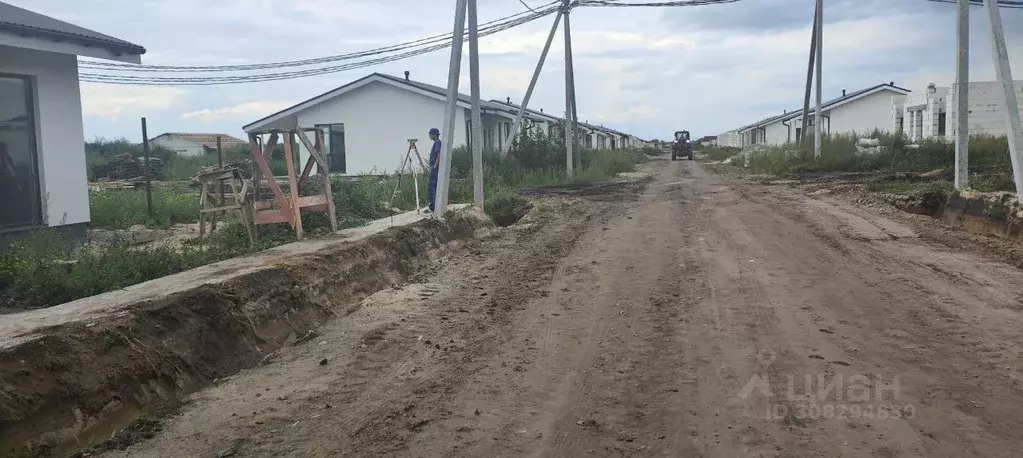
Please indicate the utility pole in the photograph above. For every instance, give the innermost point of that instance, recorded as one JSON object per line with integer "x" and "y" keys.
{"x": 817, "y": 118}
{"x": 809, "y": 78}
{"x": 517, "y": 125}
{"x": 1014, "y": 129}
{"x": 454, "y": 69}
{"x": 569, "y": 95}
{"x": 148, "y": 169}
{"x": 476, "y": 121}
{"x": 962, "y": 176}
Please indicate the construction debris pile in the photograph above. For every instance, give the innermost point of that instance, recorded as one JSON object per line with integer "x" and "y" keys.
{"x": 127, "y": 167}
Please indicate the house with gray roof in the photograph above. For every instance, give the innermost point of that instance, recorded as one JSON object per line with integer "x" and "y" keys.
{"x": 369, "y": 120}
{"x": 860, "y": 111}
{"x": 42, "y": 142}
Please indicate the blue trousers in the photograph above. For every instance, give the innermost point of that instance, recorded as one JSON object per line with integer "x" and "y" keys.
{"x": 431, "y": 188}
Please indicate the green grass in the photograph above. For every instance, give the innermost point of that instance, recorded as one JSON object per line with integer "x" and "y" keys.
{"x": 123, "y": 208}
{"x": 989, "y": 158}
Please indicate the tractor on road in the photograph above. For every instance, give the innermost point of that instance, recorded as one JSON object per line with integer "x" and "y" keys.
{"x": 682, "y": 147}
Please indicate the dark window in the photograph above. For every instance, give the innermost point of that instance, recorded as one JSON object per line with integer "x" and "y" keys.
{"x": 19, "y": 178}
{"x": 799, "y": 133}
{"x": 336, "y": 152}
{"x": 941, "y": 123}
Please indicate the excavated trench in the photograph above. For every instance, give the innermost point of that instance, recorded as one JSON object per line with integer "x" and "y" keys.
{"x": 997, "y": 214}
{"x": 68, "y": 387}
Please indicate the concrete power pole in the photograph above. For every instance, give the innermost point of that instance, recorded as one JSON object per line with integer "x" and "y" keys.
{"x": 517, "y": 125}
{"x": 962, "y": 176}
{"x": 1014, "y": 129}
{"x": 569, "y": 95}
{"x": 817, "y": 119}
{"x": 476, "y": 122}
{"x": 454, "y": 69}
{"x": 809, "y": 79}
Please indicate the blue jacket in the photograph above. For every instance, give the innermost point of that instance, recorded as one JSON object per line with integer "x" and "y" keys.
{"x": 435, "y": 156}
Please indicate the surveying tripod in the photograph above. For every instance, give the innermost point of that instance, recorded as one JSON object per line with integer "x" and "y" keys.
{"x": 406, "y": 163}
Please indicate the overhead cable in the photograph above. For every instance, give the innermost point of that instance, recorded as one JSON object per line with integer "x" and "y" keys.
{"x": 298, "y": 73}
{"x": 435, "y": 39}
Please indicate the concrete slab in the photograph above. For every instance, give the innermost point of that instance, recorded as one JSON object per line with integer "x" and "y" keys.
{"x": 15, "y": 327}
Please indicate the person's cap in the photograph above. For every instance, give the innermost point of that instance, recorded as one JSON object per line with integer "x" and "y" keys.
{"x": 434, "y": 131}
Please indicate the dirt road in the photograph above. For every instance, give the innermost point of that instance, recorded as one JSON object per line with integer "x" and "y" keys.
{"x": 693, "y": 315}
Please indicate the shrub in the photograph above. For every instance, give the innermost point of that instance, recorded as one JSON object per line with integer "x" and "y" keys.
{"x": 715, "y": 153}
{"x": 506, "y": 207}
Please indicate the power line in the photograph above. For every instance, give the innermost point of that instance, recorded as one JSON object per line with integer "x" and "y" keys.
{"x": 435, "y": 39}
{"x": 1002, "y": 3}
{"x": 617, "y": 3}
{"x": 495, "y": 27}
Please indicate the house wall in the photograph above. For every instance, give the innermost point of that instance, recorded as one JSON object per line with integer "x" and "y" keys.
{"x": 178, "y": 145}
{"x": 864, "y": 115}
{"x": 378, "y": 119}
{"x": 986, "y": 113}
{"x": 777, "y": 133}
{"x": 60, "y": 137}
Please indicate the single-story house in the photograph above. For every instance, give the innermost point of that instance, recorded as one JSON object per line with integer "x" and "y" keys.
{"x": 934, "y": 112}
{"x": 42, "y": 142}
{"x": 861, "y": 111}
{"x": 185, "y": 144}
{"x": 370, "y": 120}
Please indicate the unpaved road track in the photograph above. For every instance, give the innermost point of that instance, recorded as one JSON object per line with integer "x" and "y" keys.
{"x": 679, "y": 318}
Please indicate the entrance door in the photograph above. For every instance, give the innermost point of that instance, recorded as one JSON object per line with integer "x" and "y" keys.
{"x": 20, "y": 207}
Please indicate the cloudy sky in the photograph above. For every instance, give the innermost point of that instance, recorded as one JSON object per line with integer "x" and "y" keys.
{"x": 649, "y": 71}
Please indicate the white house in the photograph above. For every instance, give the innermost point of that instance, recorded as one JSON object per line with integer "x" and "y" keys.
{"x": 861, "y": 111}
{"x": 42, "y": 143}
{"x": 185, "y": 144}
{"x": 934, "y": 113}
{"x": 370, "y": 120}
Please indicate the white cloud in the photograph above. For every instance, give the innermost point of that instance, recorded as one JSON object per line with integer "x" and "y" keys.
{"x": 248, "y": 109}
{"x": 112, "y": 101}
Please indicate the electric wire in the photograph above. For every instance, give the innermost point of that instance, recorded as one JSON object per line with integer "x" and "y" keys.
{"x": 379, "y": 55}
{"x": 1002, "y": 3}
{"x": 234, "y": 79}
{"x": 119, "y": 66}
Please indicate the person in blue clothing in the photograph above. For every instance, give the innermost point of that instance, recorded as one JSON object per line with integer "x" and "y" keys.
{"x": 431, "y": 190}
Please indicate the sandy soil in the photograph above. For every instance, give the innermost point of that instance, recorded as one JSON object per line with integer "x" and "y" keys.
{"x": 697, "y": 315}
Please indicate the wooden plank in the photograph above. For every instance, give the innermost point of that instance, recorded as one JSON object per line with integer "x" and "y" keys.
{"x": 305, "y": 173}
{"x": 307, "y": 201}
{"x": 327, "y": 189}
{"x": 271, "y": 216}
{"x": 289, "y": 157}
{"x": 314, "y": 152}
{"x": 319, "y": 208}
{"x": 259, "y": 157}
{"x": 220, "y": 209}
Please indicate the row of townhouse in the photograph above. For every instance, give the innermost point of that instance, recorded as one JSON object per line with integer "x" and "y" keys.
{"x": 865, "y": 110}
{"x": 368, "y": 122}
{"x": 919, "y": 116}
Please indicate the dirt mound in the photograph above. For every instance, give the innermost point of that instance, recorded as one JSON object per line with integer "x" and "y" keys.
{"x": 73, "y": 385}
